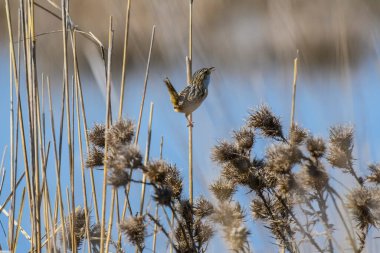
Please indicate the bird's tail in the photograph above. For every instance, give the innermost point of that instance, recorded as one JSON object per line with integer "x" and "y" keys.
{"x": 173, "y": 93}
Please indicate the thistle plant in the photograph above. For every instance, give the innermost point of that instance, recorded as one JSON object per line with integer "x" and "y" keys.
{"x": 291, "y": 186}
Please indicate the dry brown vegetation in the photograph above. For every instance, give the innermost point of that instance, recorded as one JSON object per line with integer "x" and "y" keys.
{"x": 290, "y": 186}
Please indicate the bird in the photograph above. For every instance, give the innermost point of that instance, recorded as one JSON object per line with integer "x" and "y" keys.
{"x": 188, "y": 100}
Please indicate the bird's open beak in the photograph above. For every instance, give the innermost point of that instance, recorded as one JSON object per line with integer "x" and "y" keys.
{"x": 211, "y": 69}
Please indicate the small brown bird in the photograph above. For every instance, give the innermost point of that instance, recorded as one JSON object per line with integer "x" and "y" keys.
{"x": 188, "y": 100}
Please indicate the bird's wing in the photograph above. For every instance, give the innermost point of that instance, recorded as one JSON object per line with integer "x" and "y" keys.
{"x": 174, "y": 97}
{"x": 191, "y": 93}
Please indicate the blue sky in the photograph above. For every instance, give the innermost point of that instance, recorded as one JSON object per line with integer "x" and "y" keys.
{"x": 323, "y": 99}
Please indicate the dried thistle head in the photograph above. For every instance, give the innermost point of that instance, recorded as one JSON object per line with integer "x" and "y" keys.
{"x": 364, "y": 204}
{"x": 340, "y": 147}
{"x": 185, "y": 209}
{"x": 228, "y": 214}
{"x": 96, "y": 135}
{"x": 203, "y": 232}
{"x": 313, "y": 177}
{"x": 118, "y": 177}
{"x": 231, "y": 216}
{"x": 135, "y": 230}
{"x": 316, "y": 147}
{"x": 203, "y": 208}
{"x": 374, "y": 177}
{"x": 282, "y": 157}
{"x": 163, "y": 195}
{"x": 156, "y": 171}
{"x": 263, "y": 119}
{"x": 124, "y": 156}
{"x": 223, "y": 189}
{"x": 95, "y": 235}
{"x": 95, "y": 157}
{"x": 244, "y": 138}
{"x": 286, "y": 184}
{"x": 120, "y": 133}
{"x": 79, "y": 228}
{"x": 260, "y": 209}
{"x": 297, "y": 135}
{"x": 225, "y": 152}
{"x": 173, "y": 180}
{"x": 237, "y": 238}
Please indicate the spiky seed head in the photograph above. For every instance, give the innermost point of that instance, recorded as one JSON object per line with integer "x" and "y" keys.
{"x": 225, "y": 152}
{"x": 156, "y": 171}
{"x": 118, "y": 177}
{"x": 228, "y": 214}
{"x": 313, "y": 177}
{"x": 120, "y": 133}
{"x": 96, "y": 135}
{"x": 282, "y": 157}
{"x": 124, "y": 156}
{"x": 374, "y": 177}
{"x": 244, "y": 139}
{"x": 297, "y": 135}
{"x": 203, "y": 231}
{"x": 340, "y": 147}
{"x": 364, "y": 204}
{"x": 163, "y": 195}
{"x": 237, "y": 238}
{"x": 185, "y": 209}
{"x": 135, "y": 230}
{"x": 79, "y": 228}
{"x": 263, "y": 119}
{"x": 95, "y": 235}
{"x": 173, "y": 180}
{"x": 259, "y": 209}
{"x": 95, "y": 157}
{"x": 223, "y": 189}
{"x": 316, "y": 147}
{"x": 203, "y": 208}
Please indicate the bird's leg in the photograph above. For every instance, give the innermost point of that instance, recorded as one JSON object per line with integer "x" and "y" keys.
{"x": 190, "y": 123}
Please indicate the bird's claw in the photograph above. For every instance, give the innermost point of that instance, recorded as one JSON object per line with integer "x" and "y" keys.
{"x": 190, "y": 124}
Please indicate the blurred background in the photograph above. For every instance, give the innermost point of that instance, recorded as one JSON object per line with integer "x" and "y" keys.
{"x": 252, "y": 44}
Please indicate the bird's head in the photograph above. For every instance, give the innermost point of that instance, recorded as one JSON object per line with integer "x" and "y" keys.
{"x": 202, "y": 76}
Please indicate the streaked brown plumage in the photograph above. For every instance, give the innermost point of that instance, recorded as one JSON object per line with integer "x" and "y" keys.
{"x": 188, "y": 100}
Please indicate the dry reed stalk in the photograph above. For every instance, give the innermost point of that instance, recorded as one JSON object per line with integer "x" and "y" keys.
{"x": 12, "y": 167}
{"x": 189, "y": 60}
{"x": 295, "y": 74}
{"x": 18, "y": 229}
{"x": 19, "y": 106}
{"x": 140, "y": 116}
{"x": 86, "y": 213}
{"x": 124, "y": 68}
{"x": 155, "y": 230}
{"x": 108, "y": 123}
{"x": 57, "y": 157}
{"x": 146, "y": 159}
{"x": 64, "y": 14}
{"x": 110, "y": 221}
{"x": 121, "y": 100}
{"x": 94, "y": 196}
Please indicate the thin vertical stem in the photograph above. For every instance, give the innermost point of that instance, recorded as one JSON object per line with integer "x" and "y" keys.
{"x": 145, "y": 86}
{"x": 110, "y": 221}
{"x": 189, "y": 60}
{"x": 126, "y": 33}
{"x": 155, "y": 231}
{"x": 108, "y": 123}
{"x": 295, "y": 73}
{"x": 141, "y": 112}
{"x": 87, "y": 220}
{"x": 147, "y": 150}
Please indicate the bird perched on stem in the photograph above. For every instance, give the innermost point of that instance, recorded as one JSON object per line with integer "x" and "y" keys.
{"x": 193, "y": 95}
